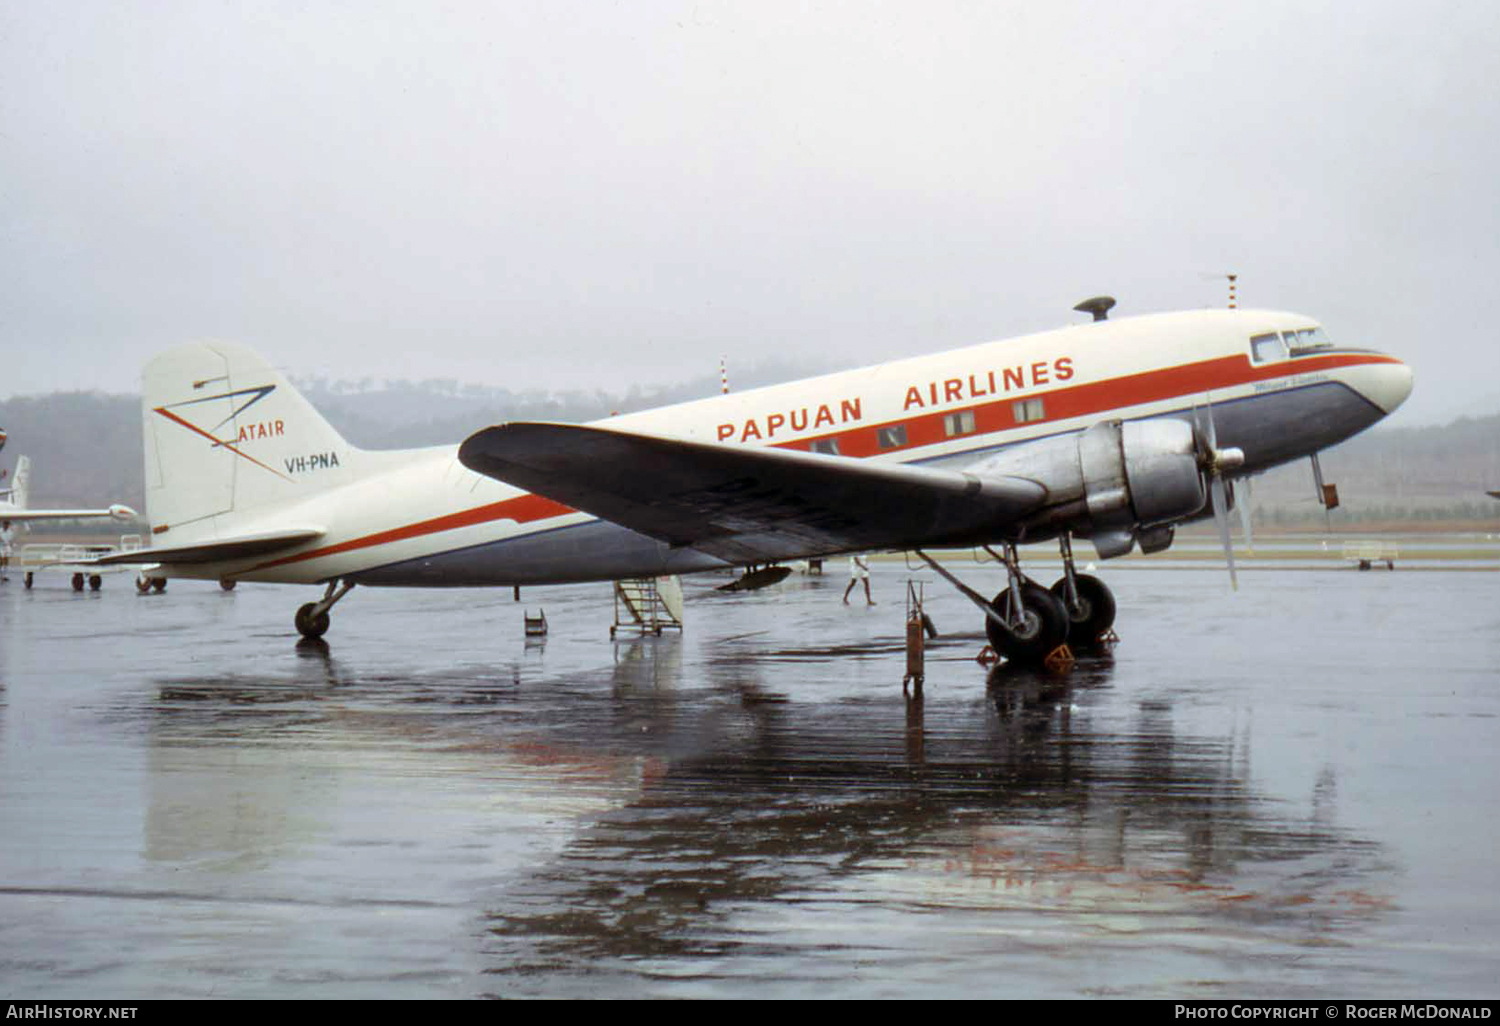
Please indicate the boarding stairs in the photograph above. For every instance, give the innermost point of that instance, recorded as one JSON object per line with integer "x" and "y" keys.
{"x": 648, "y": 605}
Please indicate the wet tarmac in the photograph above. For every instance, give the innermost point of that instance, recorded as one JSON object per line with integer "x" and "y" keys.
{"x": 1286, "y": 791}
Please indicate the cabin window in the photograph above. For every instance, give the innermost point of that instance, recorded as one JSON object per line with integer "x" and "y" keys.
{"x": 961, "y": 423}
{"x": 826, "y": 446}
{"x": 893, "y": 437}
{"x": 1028, "y": 410}
{"x": 1267, "y": 347}
{"x": 1307, "y": 340}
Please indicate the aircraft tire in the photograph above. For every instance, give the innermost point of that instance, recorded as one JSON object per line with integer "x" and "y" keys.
{"x": 27, "y": 580}
{"x": 308, "y": 625}
{"x": 159, "y": 584}
{"x": 1097, "y": 614}
{"x": 78, "y": 582}
{"x": 227, "y": 585}
{"x": 95, "y": 582}
{"x": 143, "y": 584}
{"x": 1046, "y": 626}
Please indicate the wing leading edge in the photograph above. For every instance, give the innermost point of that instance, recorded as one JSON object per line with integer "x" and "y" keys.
{"x": 747, "y": 505}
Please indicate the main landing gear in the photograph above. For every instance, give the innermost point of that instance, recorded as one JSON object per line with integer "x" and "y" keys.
{"x": 1028, "y": 623}
{"x": 312, "y": 620}
{"x": 145, "y": 585}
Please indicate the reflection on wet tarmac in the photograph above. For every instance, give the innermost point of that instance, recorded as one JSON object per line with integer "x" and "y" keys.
{"x": 1015, "y": 810}
{"x": 750, "y": 808}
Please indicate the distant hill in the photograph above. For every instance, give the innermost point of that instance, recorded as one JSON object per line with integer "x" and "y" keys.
{"x": 1418, "y": 475}
{"x": 86, "y": 446}
{"x": 402, "y": 414}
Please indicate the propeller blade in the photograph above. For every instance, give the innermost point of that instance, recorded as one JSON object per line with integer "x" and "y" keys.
{"x": 1215, "y": 462}
{"x": 1221, "y": 520}
{"x": 1203, "y": 426}
{"x": 1244, "y": 505}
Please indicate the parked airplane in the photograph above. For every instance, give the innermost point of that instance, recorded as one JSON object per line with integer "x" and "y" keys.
{"x": 14, "y": 509}
{"x": 1114, "y": 430}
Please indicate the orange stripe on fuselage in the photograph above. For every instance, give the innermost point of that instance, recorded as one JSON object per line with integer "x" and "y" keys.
{"x": 523, "y": 509}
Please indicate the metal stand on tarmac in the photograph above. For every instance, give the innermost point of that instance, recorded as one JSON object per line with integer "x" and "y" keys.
{"x": 916, "y": 645}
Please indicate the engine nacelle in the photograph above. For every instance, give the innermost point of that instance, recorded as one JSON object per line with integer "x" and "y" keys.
{"x": 1112, "y": 483}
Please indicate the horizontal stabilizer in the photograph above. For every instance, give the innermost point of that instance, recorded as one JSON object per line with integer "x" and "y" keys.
{"x": 220, "y": 549}
{"x": 747, "y": 504}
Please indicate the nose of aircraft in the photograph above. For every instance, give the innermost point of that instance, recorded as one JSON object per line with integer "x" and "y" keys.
{"x": 1388, "y": 384}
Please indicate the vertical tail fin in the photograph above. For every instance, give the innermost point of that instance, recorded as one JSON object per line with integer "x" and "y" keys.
{"x": 20, "y": 482}
{"x": 226, "y": 433}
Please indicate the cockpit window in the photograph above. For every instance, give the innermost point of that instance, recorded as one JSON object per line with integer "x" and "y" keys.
{"x": 1307, "y": 340}
{"x": 1267, "y": 347}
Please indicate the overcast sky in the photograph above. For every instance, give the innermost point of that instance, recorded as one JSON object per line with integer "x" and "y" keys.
{"x": 578, "y": 195}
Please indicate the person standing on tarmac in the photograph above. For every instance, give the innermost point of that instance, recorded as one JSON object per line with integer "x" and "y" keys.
{"x": 7, "y": 536}
{"x": 859, "y": 570}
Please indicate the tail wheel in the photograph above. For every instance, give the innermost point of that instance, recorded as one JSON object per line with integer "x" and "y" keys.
{"x": 1095, "y": 613}
{"x": 310, "y": 626}
{"x": 1043, "y": 626}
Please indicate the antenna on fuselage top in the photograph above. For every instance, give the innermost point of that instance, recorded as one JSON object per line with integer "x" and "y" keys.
{"x": 1099, "y": 306}
{"x": 1233, "y": 278}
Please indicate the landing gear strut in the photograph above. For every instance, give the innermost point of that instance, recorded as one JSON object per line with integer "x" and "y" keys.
{"x": 312, "y": 620}
{"x": 1088, "y": 602}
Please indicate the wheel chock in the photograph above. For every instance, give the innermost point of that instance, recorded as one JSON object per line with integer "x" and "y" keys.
{"x": 1059, "y": 660}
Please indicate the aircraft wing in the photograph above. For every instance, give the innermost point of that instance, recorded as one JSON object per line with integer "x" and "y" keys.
{"x": 217, "y": 550}
{"x": 747, "y": 505}
{"x": 114, "y": 512}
